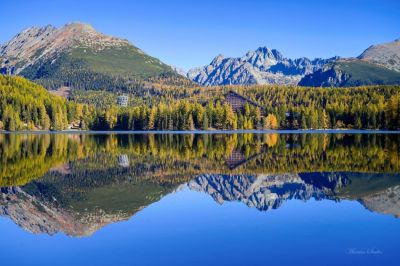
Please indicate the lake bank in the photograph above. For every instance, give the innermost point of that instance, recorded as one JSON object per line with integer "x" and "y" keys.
{"x": 283, "y": 131}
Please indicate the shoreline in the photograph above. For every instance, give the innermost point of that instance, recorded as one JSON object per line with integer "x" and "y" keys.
{"x": 251, "y": 131}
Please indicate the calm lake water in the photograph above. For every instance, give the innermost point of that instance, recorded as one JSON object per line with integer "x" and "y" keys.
{"x": 199, "y": 199}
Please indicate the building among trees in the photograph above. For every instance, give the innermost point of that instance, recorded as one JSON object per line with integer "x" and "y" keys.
{"x": 237, "y": 101}
{"x": 123, "y": 100}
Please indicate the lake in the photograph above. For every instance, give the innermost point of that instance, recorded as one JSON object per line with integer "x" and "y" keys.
{"x": 200, "y": 199}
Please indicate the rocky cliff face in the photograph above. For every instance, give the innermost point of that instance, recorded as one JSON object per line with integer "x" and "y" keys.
{"x": 330, "y": 75}
{"x": 262, "y": 66}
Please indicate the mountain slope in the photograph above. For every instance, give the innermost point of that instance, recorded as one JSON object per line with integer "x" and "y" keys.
{"x": 25, "y": 105}
{"x": 386, "y": 54}
{"x": 378, "y": 65}
{"x": 76, "y": 55}
{"x": 347, "y": 73}
{"x": 262, "y": 66}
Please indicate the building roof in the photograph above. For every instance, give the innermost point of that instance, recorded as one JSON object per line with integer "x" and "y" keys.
{"x": 244, "y": 98}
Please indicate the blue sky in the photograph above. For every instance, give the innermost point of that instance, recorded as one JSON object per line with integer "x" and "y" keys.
{"x": 191, "y": 33}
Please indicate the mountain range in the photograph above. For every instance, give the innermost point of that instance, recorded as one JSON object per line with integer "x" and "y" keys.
{"x": 262, "y": 66}
{"x": 79, "y": 57}
{"x": 378, "y": 64}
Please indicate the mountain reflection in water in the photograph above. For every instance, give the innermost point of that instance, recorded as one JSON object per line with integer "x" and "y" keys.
{"x": 77, "y": 184}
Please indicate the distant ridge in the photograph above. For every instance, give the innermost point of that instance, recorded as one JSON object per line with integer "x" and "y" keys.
{"x": 262, "y": 66}
{"x": 377, "y": 65}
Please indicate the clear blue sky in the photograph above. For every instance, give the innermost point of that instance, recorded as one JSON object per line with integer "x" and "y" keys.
{"x": 191, "y": 33}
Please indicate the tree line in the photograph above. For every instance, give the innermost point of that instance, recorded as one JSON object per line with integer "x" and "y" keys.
{"x": 365, "y": 107}
{"x": 183, "y": 115}
{"x": 27, "y": 106}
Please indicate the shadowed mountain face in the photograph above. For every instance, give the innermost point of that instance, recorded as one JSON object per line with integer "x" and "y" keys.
{"x": 77, "y": 184}
{"x": 377, "y": 65}
{"x": 351, "y": 72}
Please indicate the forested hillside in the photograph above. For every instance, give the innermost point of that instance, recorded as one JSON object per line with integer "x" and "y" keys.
{"x": 26, "y": 105}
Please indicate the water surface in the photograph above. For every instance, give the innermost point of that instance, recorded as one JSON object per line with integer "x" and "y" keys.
{"x": 199, "y": 199}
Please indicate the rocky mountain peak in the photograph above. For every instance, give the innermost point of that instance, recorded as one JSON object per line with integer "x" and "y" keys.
{"x": 79, "y": 26}
{"x": 217, "y": 60}
{"x": 42, "y": 43}
{"x": 269, "y": 53}
{"x": 263, "y": 57}
{"x": 35, "y": 30}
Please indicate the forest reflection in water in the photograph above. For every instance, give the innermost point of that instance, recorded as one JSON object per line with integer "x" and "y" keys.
{"x": 78, "y": 183}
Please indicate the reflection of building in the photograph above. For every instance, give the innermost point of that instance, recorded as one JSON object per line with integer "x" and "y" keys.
{"x": 123, "y": 100}
{"x": 123, "y": 160}
{"x": 237, "y": 101}
{"x": 237, "y": 158}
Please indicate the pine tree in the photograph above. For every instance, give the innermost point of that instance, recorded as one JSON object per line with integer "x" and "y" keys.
{"x": 357, "y": 122}
{"x": 392, "y": 112}
{"x": 189, "y": 123}
{"x": 264, "y": 123}
{"x": 325, "y": 120}
{"x": 314, "y": 119}
{"x": 11, "y": 119}
{"x": 152, "y": 118}
{"x": 229, "y": 117}
{"x": 271, "y": 122}
{"x": 257, "y": 117}
{"x": 303, "y": 121}
{"x": 205, "y": 121}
